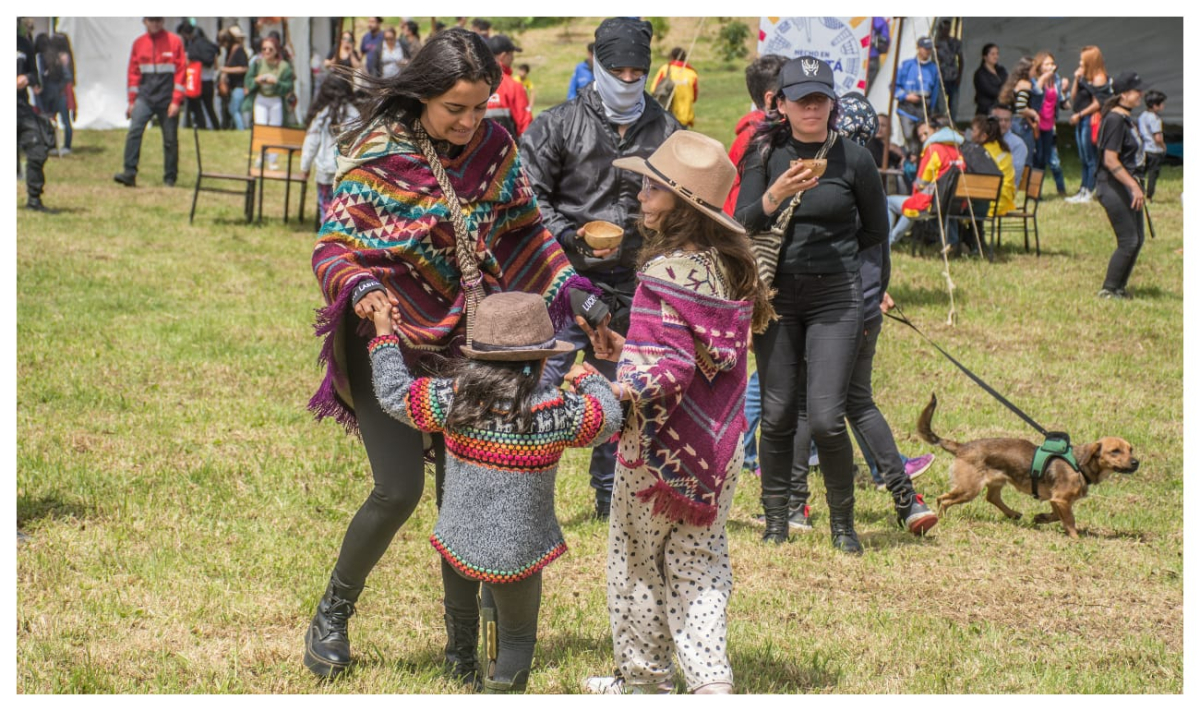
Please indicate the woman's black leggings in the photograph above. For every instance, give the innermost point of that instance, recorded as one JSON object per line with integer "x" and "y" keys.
{"x": 516, "y": 605}
{"x": 805, "y": 361}
{"x": 396, "y": 453}
{"x": 1127, "y": 223}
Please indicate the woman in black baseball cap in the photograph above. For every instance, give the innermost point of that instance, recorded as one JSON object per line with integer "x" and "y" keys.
{"x": 1118, "y": 181}
{"x": 825, "y": 219}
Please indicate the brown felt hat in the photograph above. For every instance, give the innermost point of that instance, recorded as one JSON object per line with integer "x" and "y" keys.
{"x": 696, "y": 168}
{"x": 514, "y": 326}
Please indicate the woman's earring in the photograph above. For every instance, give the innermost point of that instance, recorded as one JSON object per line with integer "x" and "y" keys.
{"x": 527, "y": 370}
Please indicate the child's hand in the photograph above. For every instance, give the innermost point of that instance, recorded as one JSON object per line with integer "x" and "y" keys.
{"x": 383, "y": 322}
{"x": 577, "y": 371}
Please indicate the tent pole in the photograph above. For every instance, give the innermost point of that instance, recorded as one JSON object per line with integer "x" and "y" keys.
{"x": 892, "y": 87}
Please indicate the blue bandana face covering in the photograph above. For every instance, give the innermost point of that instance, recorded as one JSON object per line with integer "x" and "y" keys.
{"x": 623, "y": 102}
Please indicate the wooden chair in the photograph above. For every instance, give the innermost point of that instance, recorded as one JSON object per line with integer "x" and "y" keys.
{"x": 1031, "y": 184}
{"x": 980, "y": 186}
{"x": 267, "y": 145}
{"x": 246, "y": 190}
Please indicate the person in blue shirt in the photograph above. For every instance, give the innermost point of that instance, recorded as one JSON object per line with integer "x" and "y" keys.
{"x": 583, "y": 73}
{"x": 917, "y": 83}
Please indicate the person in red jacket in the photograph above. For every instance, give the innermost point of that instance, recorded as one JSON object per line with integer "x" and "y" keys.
{"x": 509, "y": 104}
{"x": 156, "y": 68}
{"x": 761, "y": 78}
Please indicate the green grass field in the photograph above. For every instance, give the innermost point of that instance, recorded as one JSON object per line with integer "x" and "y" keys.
{"x": 183, "y": 510}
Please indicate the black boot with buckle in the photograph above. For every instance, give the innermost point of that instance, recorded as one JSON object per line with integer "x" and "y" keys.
{"x": 841, "y": 522}
{"x": 462, "y": 638}
{"x": 775, "y": 509}
{"x": 327, "y": 642}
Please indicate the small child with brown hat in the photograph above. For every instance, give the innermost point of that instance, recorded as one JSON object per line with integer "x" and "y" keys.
{"x": 504, "y": 436}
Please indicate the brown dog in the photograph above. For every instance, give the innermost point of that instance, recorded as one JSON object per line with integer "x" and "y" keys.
{"x": 993, "y": 462}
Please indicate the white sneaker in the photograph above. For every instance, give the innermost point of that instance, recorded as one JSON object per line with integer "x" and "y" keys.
{"x": 1084, "y": 195}
{"x": 618, "y": 685}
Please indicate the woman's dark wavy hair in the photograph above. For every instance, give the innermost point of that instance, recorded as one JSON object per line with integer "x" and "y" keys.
{"x": 775, "y": 130}
{"x": 449, "y": 56}
{"x": 989, "y": 127}
{"x": 336, "y": 92}
{"x": 1020, "y": 71}
{"x": 686, "y": 224}
{"x": 490, "y": 390}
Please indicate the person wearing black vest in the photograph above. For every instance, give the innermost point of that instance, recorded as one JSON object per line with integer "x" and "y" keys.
{"x": 568, "y": 152}
{"x": 1118, "y": 184}
{"x": 806, "y": 358}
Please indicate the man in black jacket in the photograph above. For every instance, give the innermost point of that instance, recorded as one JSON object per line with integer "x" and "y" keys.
{"x": 568, "y": 152}
{"x": 30, "y": 132}
{"x": 201, "y": 49}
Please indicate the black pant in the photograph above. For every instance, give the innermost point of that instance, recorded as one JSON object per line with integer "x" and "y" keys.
{"x": 201, "y": 105}
{"x": 516, "y": 605}
{"x": 864, "y": 416}
{"x": 1154, "y": 163}
{"x": 1129, "y": 227}
{"x": 805, "y": 361}
{"x": 142, "y": 113}
{"x": 397, "y": 466}
{"x": 33, "y": 143}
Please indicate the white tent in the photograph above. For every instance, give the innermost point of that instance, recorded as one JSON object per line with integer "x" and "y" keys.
{"x": 101, "y": 46}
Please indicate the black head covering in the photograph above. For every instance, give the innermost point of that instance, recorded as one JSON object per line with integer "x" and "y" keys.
{"x": 624, "y": 42}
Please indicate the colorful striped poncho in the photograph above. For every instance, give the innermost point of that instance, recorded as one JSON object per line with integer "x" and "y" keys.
{"x": 685, "y": 362}
{"x": 388, "y": 221}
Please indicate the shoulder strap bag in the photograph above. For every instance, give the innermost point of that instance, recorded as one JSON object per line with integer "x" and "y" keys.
{"x": 766, "y": 245}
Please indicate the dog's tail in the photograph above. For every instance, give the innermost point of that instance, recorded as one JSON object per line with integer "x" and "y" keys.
{"x": 925, "y": 429}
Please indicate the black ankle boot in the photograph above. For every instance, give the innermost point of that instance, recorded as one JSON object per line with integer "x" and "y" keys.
{"x": 841, "y": 523}
{"x": 776, "y": 512}
{"x": 327, "y": 642}
{"x": 517, "y": 685}
{"x": 462, "y": 637}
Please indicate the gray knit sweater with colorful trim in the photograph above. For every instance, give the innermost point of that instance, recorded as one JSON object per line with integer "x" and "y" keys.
{"x": 497, "y": 522}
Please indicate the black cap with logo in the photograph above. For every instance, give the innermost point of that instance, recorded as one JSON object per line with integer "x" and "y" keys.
{"x": 806, "y": 75}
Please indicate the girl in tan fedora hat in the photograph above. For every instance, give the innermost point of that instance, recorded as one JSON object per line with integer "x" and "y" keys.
{"x": 683, "y": 368}
{"x": 504, "y": 436}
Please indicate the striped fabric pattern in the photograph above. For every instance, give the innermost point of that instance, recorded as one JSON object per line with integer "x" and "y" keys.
{"x": 685, "y": 361}
{"x": 388, "y": 221}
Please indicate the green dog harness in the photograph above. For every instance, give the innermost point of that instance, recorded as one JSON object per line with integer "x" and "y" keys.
{"x": 1056, "y": 446}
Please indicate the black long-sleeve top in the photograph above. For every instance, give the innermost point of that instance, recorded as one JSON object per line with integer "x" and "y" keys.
{"x": 987, "y": 87}
{"x": 824, "y": 235}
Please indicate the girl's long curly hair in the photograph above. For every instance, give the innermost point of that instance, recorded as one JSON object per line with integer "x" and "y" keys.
{"x": 685, "y": 224}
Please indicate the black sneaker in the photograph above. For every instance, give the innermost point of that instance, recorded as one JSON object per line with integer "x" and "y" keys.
{"x": 800, "y": 518}
{"x": 169, "y": 182}
{"x": 916, "y": 517}
{"x": 129, "y": 180}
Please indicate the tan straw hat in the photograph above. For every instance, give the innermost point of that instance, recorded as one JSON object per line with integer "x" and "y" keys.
{"x": 696, "y": 168}
{"x": 514, "y": 326}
